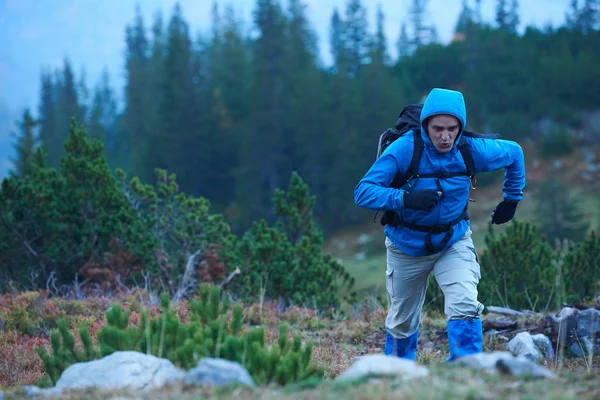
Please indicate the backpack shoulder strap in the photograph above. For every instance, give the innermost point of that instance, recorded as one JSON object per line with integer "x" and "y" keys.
{"x": 465, "y": 151}
{"x": 413, "y": 168}
{"x": 467, "y": 155}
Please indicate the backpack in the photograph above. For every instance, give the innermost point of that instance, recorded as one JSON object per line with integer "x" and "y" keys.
{"x": 409, "y": 120}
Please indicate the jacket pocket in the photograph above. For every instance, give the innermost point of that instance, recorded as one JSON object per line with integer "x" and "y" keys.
{"x": 389, "y": 281}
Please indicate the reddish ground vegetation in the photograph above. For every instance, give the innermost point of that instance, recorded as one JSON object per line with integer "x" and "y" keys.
{"x": 19, "y": 362}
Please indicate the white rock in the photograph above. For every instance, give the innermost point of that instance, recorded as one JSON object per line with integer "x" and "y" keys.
{"x": 523, "y": 345}
{"x": 380, "y": 365}
{"x": 566, "y": 312}
{"x": 121, "y": 370}
{"x": 484, "y": 360}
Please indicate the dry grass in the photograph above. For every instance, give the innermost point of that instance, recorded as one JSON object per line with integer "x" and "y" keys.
{"x": 445, "y": 382}
{"x": 337, "y": 342}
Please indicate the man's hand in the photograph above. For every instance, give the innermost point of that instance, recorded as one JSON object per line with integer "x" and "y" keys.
{"x": 504, "y": 212}
{"x": 424, "y": 200}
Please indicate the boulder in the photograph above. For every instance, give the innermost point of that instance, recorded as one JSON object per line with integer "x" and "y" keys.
{"x": 380, "y": 365}
{"x": 588, "y": 322}
{"x": 121, "y": 370}
{"x": 523, "y": 345}
{"x": 544, "y": 344}
{"x": 218, "y": 372}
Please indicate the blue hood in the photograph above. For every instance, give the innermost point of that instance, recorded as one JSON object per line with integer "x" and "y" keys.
{"x": 444, "y": 101}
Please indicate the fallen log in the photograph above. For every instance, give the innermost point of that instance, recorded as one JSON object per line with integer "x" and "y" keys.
{"x": 507, "y": 311}
{"x": 499, "y": 324}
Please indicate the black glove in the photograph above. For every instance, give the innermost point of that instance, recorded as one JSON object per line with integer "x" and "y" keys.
{"x": 504, "y": 212}
{"x": 424, "y": 200}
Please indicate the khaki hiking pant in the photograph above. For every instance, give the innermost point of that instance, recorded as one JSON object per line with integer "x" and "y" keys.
{"x": 456, "y": 271}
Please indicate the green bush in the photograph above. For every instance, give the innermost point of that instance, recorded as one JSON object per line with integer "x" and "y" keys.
{"x": 517, "y": 269}
{"x": 434, "y": 297}
{"x": 57, "y": 220}
{"x": 285, "y": 261}
{"x": 76, "y": 219}
{"x": 581, "y": 270}
{"x": 213, "y": 331}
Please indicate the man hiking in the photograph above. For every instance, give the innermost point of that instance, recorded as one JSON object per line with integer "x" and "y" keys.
{"x": 427, "y": 223}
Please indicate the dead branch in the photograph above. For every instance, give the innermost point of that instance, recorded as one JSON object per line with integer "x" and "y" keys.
{"x": 187, "y": 281}
{"x": 226, "y": 282}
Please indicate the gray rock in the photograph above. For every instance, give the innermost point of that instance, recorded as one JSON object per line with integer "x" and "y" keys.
{"x": 485, "y": 361}
{"x": 598, "y": 302}
{"x": 218, "y": 372}
{"x": 523, "y": 345}
{"x": 567, "y": 312}
{"x": 544, "y": 344}
{"x": 520, "y": 366}
{"x": 588, "y": 322}
{"x": 380, "y": 365}
{"x": 504, "y": 362}
{"x": 121, "y": 370}
{"x": 583, "y": 347}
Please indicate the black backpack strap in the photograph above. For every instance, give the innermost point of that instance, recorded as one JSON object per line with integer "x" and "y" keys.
{"x": 413, "y": 168}
{"x": 465, "y": 151}
{"x": 391, "y": 217}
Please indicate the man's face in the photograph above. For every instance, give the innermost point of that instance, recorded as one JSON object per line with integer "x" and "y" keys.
{"x": 443, "y": 130}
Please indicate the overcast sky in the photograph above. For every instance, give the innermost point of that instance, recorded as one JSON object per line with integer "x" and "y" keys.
{"x": 37, "y": 33}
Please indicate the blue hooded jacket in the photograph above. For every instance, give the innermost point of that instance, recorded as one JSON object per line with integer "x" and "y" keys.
{"x": 373, "y": 191}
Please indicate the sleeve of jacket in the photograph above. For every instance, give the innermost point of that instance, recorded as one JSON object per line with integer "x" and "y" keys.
{"x": 493, "y": 154}
{"x": 373, "y": 191}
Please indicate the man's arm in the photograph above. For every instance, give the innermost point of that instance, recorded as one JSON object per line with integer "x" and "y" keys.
{"x": 373, "y": 191}
{"x": 493, "y": 154}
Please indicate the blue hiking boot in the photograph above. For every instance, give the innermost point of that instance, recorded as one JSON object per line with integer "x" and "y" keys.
{"x": 403, "y": 348}
{"x": 465, "y": 336}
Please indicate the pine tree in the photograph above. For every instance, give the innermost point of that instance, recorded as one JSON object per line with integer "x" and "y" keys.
{"x": 502, "y": 15}
{"x": 581, "y": 270}
{"x": 517, "y": 268}
{"x": 423, "y": 34}
{"x": 177, "y": 142}
{"x": 589, "y": 16}
{"x": 513, "y": 18}
{"x": 572, "y": 15}
{"x": 67, "y": 106}
{"x": 48, "y": 113}
{"x": 336, "y": 41}
{"x": 25, "y": 146}
{"x": 356, "y": 37}
{"x": 138, "y": 117}
{"x": 465, "y": 19}
{"x": 403, "y": 44}
{"x": 286, "y": 260}
{"x": 103, "y": 118}
{"x": 379, "y": 51}
{"x": 264, "y": 150}
{"x": 226, "y": 82}
{"x": 309, "y": 136}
